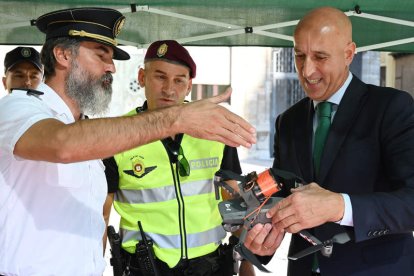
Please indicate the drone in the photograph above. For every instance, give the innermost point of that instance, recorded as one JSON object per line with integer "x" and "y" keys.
{"x": 250, "y": 205}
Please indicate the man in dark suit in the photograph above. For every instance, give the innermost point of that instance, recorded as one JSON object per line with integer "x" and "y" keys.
{"x": 363, "y": 182}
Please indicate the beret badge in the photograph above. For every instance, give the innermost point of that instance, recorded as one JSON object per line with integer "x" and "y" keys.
{"x": 162, "y": 50}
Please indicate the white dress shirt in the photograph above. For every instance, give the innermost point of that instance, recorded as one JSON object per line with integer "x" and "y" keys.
{"x": 51, "y": 219}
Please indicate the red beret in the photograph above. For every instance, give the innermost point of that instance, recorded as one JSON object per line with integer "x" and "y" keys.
{"x": 173, "y": 51}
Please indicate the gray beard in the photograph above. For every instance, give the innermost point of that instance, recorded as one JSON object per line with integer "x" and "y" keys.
{"x": 92, "y": 95}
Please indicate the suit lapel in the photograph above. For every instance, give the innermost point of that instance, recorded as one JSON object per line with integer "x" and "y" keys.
{"x": 344, "y": 119}
{"x": 303, "y": 130}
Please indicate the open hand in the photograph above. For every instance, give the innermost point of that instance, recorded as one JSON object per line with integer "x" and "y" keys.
{"x": 206, "y": 119}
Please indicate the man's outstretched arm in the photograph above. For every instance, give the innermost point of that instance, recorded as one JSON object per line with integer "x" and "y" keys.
{"x": 101, "y": 138}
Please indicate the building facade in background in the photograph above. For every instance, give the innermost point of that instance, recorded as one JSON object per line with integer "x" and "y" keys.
{"x": 404, "y": 72}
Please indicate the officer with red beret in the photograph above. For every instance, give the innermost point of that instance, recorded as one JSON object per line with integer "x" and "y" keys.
{"x": 167, "y": 185}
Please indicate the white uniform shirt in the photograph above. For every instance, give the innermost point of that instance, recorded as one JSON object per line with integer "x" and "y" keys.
{"x": 51, "y": 219}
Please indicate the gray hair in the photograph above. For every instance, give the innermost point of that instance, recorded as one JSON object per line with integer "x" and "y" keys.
{"x": 48, "y": 58}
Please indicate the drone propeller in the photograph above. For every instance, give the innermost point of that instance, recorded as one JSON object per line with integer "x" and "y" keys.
{"x": 325, "y": 247}
{"x": 309, "y": 237}
{"x": 306, "y": 252}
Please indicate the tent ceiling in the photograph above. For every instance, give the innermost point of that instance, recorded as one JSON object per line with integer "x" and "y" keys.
{"x": 385, "y": 25}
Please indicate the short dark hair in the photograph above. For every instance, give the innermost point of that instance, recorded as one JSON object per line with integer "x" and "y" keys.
{"x": 48, "y": 58}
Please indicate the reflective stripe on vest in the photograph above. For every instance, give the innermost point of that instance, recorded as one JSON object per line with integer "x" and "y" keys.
{"x": 164, "y": 193}
{"x": 214, "y": 235}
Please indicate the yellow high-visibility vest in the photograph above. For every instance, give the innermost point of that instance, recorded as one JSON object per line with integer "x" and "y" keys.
{"x": 179, "y": 214}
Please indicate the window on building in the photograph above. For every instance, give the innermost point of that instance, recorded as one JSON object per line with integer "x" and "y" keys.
{"x": 203, "y": 91}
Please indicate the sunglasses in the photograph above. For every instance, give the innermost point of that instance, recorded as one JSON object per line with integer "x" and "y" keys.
{"x": 183, "y": 165}
{"x": 176, "y": 150}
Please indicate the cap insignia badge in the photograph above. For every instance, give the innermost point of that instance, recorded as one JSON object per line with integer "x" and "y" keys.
{"x": 118, "y": 26}
{"x": 162, "y": 50}
{"x": 26, "y": 52}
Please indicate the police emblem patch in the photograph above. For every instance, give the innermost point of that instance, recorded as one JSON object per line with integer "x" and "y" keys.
{"x": 118, "y": 26}
{"x": 139, "y": 170}
{"x": 25, "y": 52}
{"x": 138, "y": 166}
{"x": 162, "y": 50}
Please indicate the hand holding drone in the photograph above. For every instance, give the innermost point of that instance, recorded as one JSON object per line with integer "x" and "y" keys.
{"x": 250, "y": 208}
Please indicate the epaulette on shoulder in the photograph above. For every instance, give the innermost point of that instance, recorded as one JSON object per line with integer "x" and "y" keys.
{"x": 30, "y": 92}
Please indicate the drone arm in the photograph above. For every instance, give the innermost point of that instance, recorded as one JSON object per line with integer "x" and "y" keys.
{"x": 226, "y": 182}
{"x": 231, "y": 189}
{"x": 246, "y": 254}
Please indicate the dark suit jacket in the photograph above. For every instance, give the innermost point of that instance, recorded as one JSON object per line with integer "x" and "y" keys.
{"x": 369, "y": 154}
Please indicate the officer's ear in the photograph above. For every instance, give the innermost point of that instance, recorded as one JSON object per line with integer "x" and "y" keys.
{"x": 4, "y": 83}
{"x": 141, "y": 77}
{"x": 62, "y": 56}
{"x": 190, "y": 87}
